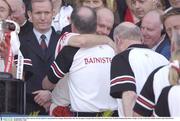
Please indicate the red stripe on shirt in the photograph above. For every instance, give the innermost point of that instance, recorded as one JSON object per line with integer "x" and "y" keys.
{"x": 123, "y": 79}
{"x": 57, "y": 70}
{"x": 145, "y": 103}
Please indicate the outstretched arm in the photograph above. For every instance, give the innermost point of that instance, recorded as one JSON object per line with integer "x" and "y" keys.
{"x": 90, "y": 40}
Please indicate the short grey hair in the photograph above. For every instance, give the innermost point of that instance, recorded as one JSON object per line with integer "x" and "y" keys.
{"x": 127, "y": 30}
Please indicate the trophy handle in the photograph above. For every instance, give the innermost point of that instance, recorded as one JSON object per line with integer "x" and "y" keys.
{"x": 17, "y": 27}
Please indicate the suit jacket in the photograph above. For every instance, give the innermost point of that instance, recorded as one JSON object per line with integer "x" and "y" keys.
{"x": 40, "y": 62}
{"x": 28, "y": 26}
{"x": 66, "y": 29}
{"x": 165, "y": 48}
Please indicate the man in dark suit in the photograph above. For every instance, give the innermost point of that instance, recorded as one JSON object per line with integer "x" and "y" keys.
{"x": 39, "y": 46}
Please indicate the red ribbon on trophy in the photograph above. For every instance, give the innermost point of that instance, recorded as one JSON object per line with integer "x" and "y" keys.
{"x": 9, "y": 58}
{"x": 10, "y": 30}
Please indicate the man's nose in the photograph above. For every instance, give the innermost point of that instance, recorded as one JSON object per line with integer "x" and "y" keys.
{"x": 42, "y": 16}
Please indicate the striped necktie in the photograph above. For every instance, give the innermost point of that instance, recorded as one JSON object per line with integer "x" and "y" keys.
{"x": 43, "y": 43}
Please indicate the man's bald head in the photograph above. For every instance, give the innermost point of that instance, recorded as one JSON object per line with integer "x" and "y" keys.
{"x": 152, "y": 28}
{"x": 84, "y": 19}
{"x": 105, "y": 11}
{"x": 126, "y": 34}
{"x": 105, "y": 21}
{"x": 128, "y": 30}
{"x": 154, "y": 16}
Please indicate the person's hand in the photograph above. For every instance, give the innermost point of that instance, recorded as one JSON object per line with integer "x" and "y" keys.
{"x": 112, "y": 44}
{"x": 42, "y": 97}
{"x": 47, "y": 106}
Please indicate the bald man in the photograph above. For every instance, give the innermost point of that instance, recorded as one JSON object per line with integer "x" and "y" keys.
{"x": 105, "y": 21}
{"x": 131, "y": 67}
{"x": 92, "y": 100}
{"x": 60, "y": 94}
{"x": 154, "y": 37}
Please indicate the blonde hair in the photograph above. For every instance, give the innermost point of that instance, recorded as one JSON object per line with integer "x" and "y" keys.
{"x": 174, "y": 72}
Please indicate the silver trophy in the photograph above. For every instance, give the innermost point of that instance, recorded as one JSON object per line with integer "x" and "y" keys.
{"x": 2, "y": 29}
{"x": 5, "y": 26}
{"x": 2, "y": 26}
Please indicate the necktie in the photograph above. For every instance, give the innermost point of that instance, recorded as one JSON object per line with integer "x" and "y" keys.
{"x": 43, "y": 43}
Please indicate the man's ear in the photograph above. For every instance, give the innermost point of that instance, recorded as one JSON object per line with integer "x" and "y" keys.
{"x": 119, "y": 43}
{"x": 142, "y": 39}
{"x": 54, "y": 13}
{"x": 116, "y": 40}
{"x": 24, "y": 8}
{"x": 73, "y": 28}
{"x": 29, "y": 13}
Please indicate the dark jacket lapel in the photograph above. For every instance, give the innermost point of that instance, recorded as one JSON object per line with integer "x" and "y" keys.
{"x": 34, "y": 45}
{"x": 52, "y": 45}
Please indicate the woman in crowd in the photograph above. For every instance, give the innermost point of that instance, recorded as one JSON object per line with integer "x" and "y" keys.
{"x": 126, "y": 11}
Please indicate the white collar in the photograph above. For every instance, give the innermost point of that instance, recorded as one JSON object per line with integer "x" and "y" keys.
{"x": 47, "y": 34}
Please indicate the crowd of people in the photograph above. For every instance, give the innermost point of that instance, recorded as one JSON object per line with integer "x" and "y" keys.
{"x": 95, "y": 58}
